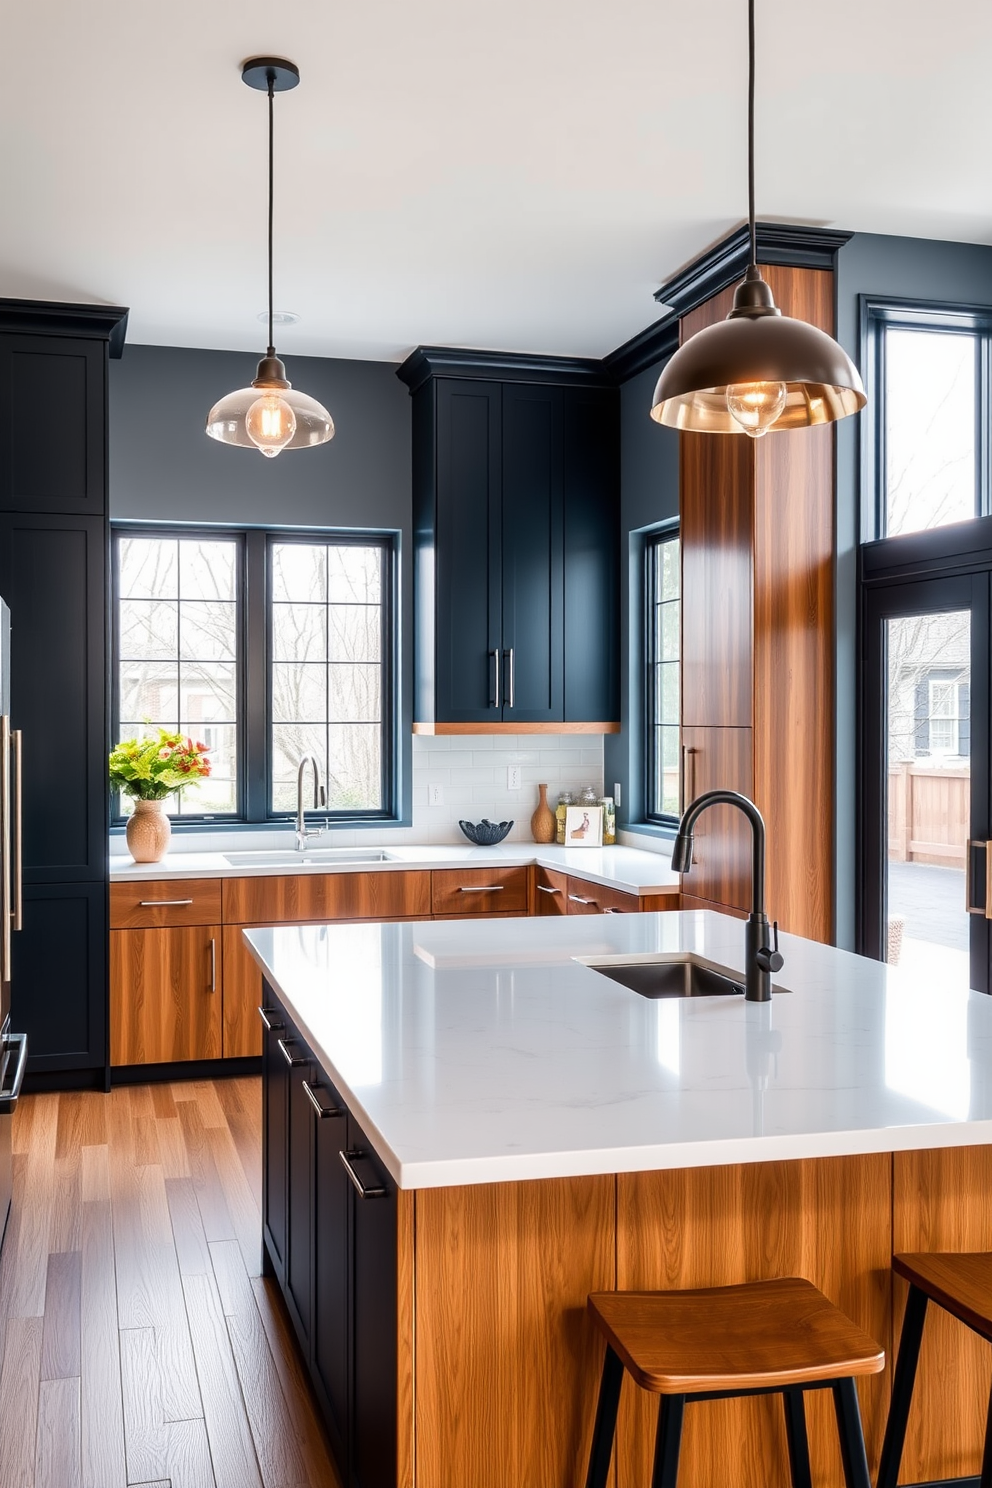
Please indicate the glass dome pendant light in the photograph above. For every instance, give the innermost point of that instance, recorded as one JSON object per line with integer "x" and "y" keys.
{"x": 270, "y": 415}
{"x": 758, "y": 370}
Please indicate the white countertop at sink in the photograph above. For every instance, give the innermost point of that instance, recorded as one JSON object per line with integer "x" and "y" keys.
{"x": 485, "y": 1052}
{"x": 628, "y": 869}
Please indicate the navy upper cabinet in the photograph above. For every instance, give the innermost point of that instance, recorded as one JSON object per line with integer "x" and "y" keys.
{"x": 516, "y": 549}
{"x": 53, "y": 445}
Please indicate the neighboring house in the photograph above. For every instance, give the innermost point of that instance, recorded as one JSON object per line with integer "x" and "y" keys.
{"x": 930, "y": 689}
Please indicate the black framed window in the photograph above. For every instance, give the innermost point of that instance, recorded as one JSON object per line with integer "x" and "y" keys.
{"x": 265, "y": 645}
{"x": 662, "y": 602}
{"x": 927, "y": 454}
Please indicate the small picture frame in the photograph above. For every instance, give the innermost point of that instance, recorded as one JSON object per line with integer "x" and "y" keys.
{"x": 583, "y": 826}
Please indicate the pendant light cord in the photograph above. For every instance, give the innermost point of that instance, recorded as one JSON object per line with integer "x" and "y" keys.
{"x": 271, "y": 80}
{"x": 750, "y": 133}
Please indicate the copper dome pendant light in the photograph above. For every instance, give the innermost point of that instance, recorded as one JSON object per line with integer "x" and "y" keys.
{"x": 270, "y": 415}
{"x": 758, "y": 370}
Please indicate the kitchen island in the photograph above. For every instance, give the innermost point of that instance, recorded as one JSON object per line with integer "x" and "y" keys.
{"x": 527, "y": 1130}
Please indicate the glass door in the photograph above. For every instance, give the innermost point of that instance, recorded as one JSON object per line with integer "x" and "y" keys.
{"x": 926, "y": 779}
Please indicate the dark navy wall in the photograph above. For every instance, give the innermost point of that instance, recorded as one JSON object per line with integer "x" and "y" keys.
{"x": 905, "y": 268}
{"x": 164, "y": 468}
{"x": 649, "y": 494}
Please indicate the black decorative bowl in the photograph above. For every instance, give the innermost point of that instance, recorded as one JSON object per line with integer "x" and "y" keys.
{"x": 485, "y": 833}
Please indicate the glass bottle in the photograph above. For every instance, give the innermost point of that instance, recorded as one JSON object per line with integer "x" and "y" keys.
{"x": 609, "y": 821}
{"x": 565, "y": 800}
{"x": 588, "y": 796}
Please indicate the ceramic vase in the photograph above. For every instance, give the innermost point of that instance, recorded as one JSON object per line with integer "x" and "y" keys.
{"x": 542, "y": 823}
{"x": 148, "y": 832}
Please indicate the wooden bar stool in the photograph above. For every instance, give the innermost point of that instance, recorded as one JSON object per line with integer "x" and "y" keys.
{"x": 961, "y": 1283}
{"x": 761, "y": 1338}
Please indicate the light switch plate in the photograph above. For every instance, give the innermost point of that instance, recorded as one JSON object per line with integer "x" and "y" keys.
{"x": 513, "y": 777}
{"x": 435, "y": 795}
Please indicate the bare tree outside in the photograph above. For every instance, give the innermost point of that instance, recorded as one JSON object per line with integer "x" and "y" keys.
{"x": 178, "y": 660}
{"x": 930, "y": 382}
{"x": 178, "y": 654}
{"x": 327, "y": 671}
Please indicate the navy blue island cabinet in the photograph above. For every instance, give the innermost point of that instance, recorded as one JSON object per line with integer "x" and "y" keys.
{"x": 516, "y": 537}
{"x": 53, "y": 575}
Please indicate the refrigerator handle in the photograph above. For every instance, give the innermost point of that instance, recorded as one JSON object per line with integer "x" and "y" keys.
{"x": 17, "y": 844}
{"x": 6, "y": 907}
{"x": 8, "y": 1098}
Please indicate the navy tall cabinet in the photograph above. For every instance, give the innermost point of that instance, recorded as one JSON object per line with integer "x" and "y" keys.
{"x": 516, "y": 532}
{"x": 53, "y": 574}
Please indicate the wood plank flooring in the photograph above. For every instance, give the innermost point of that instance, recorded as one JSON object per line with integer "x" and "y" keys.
{"x": 139, "y": 1342}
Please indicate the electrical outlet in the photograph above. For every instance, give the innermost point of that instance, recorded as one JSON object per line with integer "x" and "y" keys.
{"x": 616, "y": 794}
{"x": 513, "y": 777}
{"x": 435, "y": 795}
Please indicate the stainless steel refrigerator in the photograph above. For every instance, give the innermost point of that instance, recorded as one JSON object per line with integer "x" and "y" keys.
{"x": 13, "y": 1046}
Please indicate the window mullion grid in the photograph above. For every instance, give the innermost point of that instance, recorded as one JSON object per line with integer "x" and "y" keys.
{"x": 983, "y": 425}
{"x": 255, "y": 674}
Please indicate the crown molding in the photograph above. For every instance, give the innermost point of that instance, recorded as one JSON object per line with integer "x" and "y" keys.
{"x": 56, "y": 318}
{"x": 778, "y": 243}
{"x": 501, "y": 366}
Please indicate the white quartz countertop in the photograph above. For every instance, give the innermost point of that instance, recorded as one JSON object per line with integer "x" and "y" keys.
{"x": 484, "y": 1051}
{"x": 629, "y": 869}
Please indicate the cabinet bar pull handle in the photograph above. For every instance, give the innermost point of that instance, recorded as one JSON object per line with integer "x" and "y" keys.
{"x": 609, "y": 910}
{"x": 509, "y": 677}
{"x": 213, "y": 963}
{"x": 494, "y": 699}
{"x": 481, "y": 888}
{"x": 160, "y": 903}
{"x": 577, "y": 899}
{"x": 544, "y": 889}
{"x": 347, "y": 1158}
{"x": 8, "y": 1098}
{"x": 289, "y": 1058}
{"x": 17, "y": 848}
{"x": 986, "y": 908}
{"x": 322, "y": 1111}
{"x": 264, "y": 1013}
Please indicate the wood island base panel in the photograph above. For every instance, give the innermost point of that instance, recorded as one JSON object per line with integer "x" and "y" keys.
{"x": 497, "y": 1363}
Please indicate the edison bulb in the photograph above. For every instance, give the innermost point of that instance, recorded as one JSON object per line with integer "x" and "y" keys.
{"x": 270, "y": 423}
{"x": 756, "y": 405}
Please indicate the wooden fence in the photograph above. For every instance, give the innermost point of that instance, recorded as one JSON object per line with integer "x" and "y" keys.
{"x": 929, "y": 810}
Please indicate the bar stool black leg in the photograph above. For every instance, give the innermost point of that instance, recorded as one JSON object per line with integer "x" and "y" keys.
{"x": 668, "y": 1441}
{"x": 902, "y": 1388}
{"x": 985, "y": 1481}
{"x": 852, "y": 1441}
{"x": 795, "y": 1431}
{"x": 606, "y": 1421}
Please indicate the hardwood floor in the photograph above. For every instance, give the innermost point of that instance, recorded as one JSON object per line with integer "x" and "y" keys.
{"x": 139, "y": 1343}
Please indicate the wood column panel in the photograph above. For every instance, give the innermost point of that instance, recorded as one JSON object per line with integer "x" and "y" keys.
{"x": 165, "y": 994}
{"x": 719, "y": 759}
{"x": 327, "y": 896}
{"x": 828, "y": 1220}
{"x": 942, "y": 1200}
{"x": 716, "y": 510}
{"x": 507, "y": 1359}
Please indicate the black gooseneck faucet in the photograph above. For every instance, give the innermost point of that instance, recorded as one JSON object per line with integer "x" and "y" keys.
{"x": 761, "y": 952}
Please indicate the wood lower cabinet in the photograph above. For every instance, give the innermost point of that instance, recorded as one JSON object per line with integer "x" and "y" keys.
{"x": 297, "y": 898}
{"x": 551, "y": 892}
{"x": 479, "y": 891}
{"x": 593, "y": 898}
{"x": 165, "y": 995}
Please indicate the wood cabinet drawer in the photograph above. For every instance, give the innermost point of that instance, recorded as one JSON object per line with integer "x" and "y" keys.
{"x": 156, "y": 903}
{"x": 327, "y": 896}
{"x": 550, "y": 892}
{"x": 593, "y": 898}
{"x": 478, "y": 891}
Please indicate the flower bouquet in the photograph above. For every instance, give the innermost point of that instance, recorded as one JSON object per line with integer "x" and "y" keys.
{"x": 149, "y": 770}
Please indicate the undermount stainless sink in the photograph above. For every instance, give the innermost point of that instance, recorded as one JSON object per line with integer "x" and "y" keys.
{"x": 314, "y": 857}
{"x": 676, "y": 974}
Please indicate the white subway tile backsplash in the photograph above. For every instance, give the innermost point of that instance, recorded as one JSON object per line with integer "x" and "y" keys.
{"x": 472, "y": 770}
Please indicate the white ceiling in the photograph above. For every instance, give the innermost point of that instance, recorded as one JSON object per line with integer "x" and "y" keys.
{"x": 519, "y": 175}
